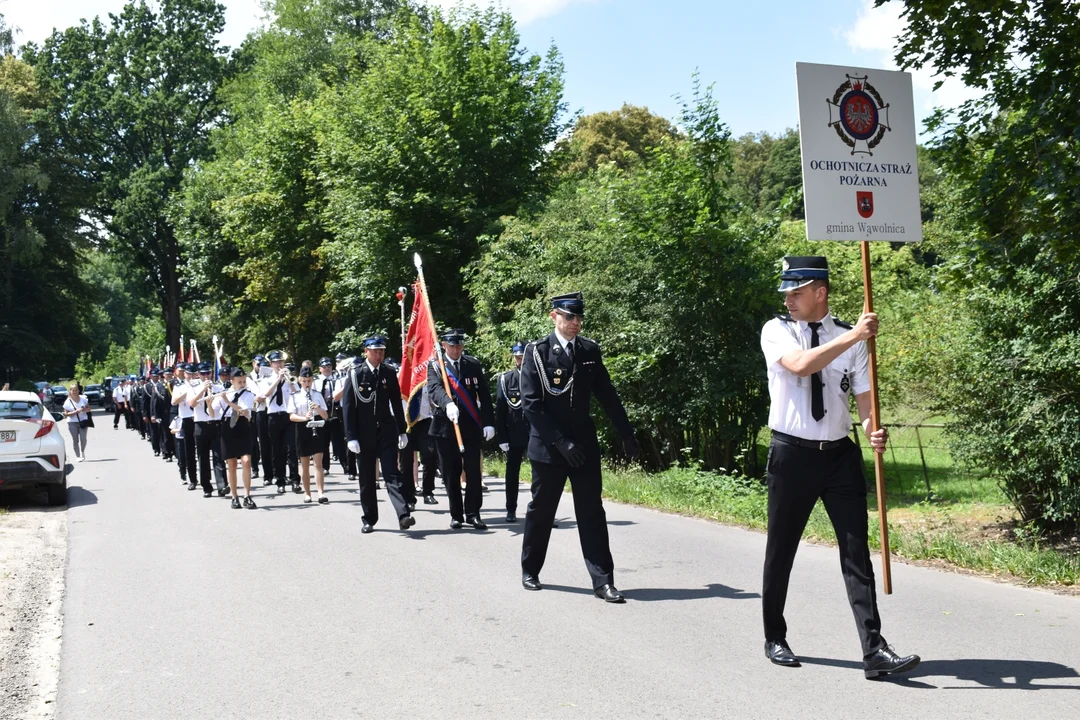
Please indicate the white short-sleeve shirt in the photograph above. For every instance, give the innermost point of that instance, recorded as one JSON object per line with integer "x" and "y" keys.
{"x": 298, "y": 402}
{"x": 200, "y": 407}
{"x": 789, "y": 394}
{"x": 245, "y": 399}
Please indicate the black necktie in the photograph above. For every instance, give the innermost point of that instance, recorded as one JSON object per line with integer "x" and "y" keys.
{"x": 570, "y": 351}
{"x": 817, "y": 396}
{"x": 277, "y": 395}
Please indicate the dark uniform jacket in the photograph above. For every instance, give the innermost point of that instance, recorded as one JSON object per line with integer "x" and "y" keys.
{"x": 144, "y": 400}
{"x": 371, "y": 406}
{"x": 473, "y": 381}
{"x": 511, "y": 425}
{"x": 556, "y": 396}
{"x": 159, "y": 403}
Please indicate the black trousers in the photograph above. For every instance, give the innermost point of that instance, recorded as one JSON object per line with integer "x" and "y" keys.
{"x": 335, "y": 439}
{"x": 420, "y": 441}
{"x": 548, "y": 480}
{"x": 140, "y": 424}
{"x": 514, "y": 456}
{"x": 187, "y": 426}
{"x": 797, "y": 477}
{"x": 208, "y": 445}
{"x": 116, "y": 416}
{"x": 279, "y": 428}
{"x": 291, "y": 459}
{"x": 129, "y": 418}
{"x": 155, "y": 435}
{"x": 451, "y": 462}
{"x": 166, "y": 441}
{"x": 181, "y": 456}
{"x": 383, "y": 450}
{"x": 266, "y": 452}
{"x": 254, "y": 433}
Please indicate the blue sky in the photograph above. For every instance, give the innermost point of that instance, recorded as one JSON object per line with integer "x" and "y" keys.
{"x": 643, "y": 52}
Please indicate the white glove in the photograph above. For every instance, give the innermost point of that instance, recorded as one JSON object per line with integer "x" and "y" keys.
{"x": 489, "y": 432}
{"x": 354, "y": 446}
{"x": 452, "y": 413}
{"x": 402, "y": 441}
{"x": 505, "y": 447}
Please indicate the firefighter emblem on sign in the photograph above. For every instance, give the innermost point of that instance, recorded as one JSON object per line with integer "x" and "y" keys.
{"x": 859, "y": 115}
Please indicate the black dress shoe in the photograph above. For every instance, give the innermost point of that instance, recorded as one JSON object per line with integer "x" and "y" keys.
{"x": 221, "y": 491}
{"x": 511, "y": 517}
{"x": 406, "y": 522}
{"x": 296, "y": 488}
{"x": 476, "y": 522}
{"x": 249, "y": 503}
{"x": 281, "y": 489}
{"x": 236, "y": 503}
{"x": 268, "y": 481}
{"x": 208, "y": 493}
{"x": 255, "y": 474}
{"x": 411, "y": 506}
{"x": 779, "y": 653}
{"x": 430, "y": 500}
{"x": 608, "y": 593}
{"x": 367, "y": 528}
{"x": 191, "y": 486}
{"x": 886, "y": 662}
{"x": 531, "y": 582}
{"x": 455, "y": 524}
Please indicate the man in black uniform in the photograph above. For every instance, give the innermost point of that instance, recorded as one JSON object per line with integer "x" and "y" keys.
{"x": 138, "y": 398}
{"x": 469, "y": 407}
{"x": 258, "y": 420}
{"x": 815, "y": 363}
{"x": 168, "y": 447}
{"x": 334, "y": 437}
{"x": 511, "y": 427}
{"x": 375, "y": 429}
{"x": 423, "y": 444}
{"x": 559, "y": 376}
{"x": 155, "y": 408}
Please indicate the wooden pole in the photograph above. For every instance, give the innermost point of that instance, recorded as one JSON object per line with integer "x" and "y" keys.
{"x": 875, "y": 424}
{"x": 435, "y": 337}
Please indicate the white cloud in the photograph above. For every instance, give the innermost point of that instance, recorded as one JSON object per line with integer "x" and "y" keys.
{"x": 875, "y": 31}
{"x": 524, "y": 11}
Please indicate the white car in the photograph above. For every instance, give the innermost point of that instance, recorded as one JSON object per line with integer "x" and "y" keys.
{"x": 32, "y": 450}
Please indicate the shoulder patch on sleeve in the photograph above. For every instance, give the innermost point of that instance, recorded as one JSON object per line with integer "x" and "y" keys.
{"x": 841, "y": 323}
{"x": 784, "y": 318}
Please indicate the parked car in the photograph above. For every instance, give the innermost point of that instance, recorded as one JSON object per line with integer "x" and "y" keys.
{"x": 59, "y": 395}
{"x": 44, "y": 392}
{"x": 93, "y": 394}
{"x": 32, "y": 451}
{"x": 107, "y": 385}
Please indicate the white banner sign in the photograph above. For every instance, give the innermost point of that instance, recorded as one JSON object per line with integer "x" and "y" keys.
{"x": 860, "y": 175}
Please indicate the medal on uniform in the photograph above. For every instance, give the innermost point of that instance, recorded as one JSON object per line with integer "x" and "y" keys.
{"x": 558, "y": 380}
{"x": 845, "y": 384}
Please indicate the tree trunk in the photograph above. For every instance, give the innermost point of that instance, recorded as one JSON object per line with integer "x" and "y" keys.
{"x": 171, "y": 305}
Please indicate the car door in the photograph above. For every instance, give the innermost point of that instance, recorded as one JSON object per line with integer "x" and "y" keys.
{"x": 20, "y": 423}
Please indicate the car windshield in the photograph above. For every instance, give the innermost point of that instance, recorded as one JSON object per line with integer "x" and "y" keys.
{"x": 93, "y": 388}
{"x": 59, "y": 388}
{"x": 19, "y": 410}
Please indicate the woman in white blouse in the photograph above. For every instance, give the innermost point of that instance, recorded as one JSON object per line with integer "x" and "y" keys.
{"x": 304, "y": 407}
{"x": 234, "y": 407}
{"x": 77, "y": 411}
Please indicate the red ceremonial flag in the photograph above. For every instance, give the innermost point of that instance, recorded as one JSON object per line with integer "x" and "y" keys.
{"x": 420, "y": 349}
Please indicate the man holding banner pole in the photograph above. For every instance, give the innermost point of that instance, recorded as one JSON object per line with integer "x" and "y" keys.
{"x": 467, "y": 408}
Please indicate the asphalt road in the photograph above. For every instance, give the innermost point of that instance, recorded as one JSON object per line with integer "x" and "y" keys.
{"x": 179, "y": 607}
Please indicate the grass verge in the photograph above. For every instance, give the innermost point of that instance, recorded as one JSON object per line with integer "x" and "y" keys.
{"x": 942, "y": 533}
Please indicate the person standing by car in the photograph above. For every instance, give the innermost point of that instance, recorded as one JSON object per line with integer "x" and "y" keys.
{"x": 77, "y": 411}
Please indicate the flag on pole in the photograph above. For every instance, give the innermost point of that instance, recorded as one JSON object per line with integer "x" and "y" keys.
{"x": 420, "y": 349}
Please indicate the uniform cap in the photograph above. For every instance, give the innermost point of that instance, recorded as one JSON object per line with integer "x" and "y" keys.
{"x": 326, "y": 362}
{"x": 238, "y": 372}
{"x": 305, "y": 372}
{"x": 204, "y": 367}
{"x": 800, "y": 270}
{"x": 518, "y": 348}
{"x": 571, "y": 302}
{"x": 340, "y": 356}
{"x": 260, "y": 358}
{"x": 454, "y": 336}
{"x": 273, "y": 356}
{"x": 375, "y": 342}
{"x": 154, "y": 372}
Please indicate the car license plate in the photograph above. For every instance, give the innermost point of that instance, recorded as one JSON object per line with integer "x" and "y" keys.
{"x": 7, "y": 436}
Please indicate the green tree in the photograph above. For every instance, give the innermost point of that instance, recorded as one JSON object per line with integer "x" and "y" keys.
{"x": 1005, "y": 237}
{"x": 765, "y": 170}
{"x": 42, "y": 298}
{"x": 676, "y": 291}
{"x": 134, "y": 103}
{"x": 622, "y": 137}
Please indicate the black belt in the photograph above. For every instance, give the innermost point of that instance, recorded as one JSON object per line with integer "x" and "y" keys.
{"x": 811, "y": 444}
{"x": 278, "y": 412}
{"x": 207, "y": 422}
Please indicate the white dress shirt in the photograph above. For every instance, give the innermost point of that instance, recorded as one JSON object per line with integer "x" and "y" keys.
{"x": 183, "y": 409}
{"x": 286, "y": 393}
{"x": 298, "y": 403}
{"x": 200, "y": 407}
{"x": 246, "y": 400}
{"x": 789, "y": 408}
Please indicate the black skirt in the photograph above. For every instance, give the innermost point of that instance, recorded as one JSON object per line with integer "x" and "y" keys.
{"x": 308, "y": 440}
{"x": 236, "y": 440}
